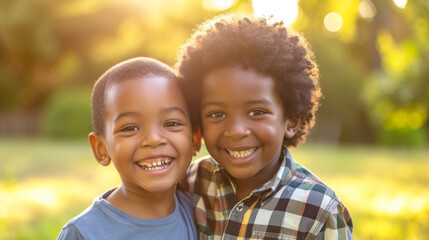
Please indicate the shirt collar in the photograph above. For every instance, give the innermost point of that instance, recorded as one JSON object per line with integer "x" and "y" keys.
{"x": 282, "y": 176}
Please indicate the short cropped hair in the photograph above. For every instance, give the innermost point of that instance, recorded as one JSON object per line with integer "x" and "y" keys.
{"x": 133, "y": 68}
{"x": 253, "y": 43}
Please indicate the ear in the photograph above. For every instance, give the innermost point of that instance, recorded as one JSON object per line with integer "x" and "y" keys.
{"x": 196, "y": 140}
{"x": 292, "y": 127}
{"x": 99, "y": 149}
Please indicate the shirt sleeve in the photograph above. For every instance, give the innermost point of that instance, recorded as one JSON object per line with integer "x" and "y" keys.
{"x": 70, "y": 232}
{"x": 338, "y": 225}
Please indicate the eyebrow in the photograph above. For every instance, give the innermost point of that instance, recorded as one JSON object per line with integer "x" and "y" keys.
{"x": 252, "y": 102}
{"x": 174, "y": 109}
{"x": 260, "y": 101}
{"x": 135, "y": 114}
{"x": 125, "y": 114}
{"x": 212, "y": 103}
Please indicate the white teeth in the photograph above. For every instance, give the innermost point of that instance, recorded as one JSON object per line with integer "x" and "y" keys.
{"x": 241, "y": 154}
{"x": 155, "y": 165}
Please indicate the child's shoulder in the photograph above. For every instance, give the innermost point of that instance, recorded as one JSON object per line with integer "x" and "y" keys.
{"x": 302, "y": 195}
{"x": 305, "y": 187}
{"x": 76, "y": 227}
{"x": 301, "y": 172}
{"x": 184, "y": 198}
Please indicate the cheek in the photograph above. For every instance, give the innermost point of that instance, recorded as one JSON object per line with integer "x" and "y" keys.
{"x": 267, "y": 126}
{"x": 182, "y": 141}
{"x": 123, "y": 148}
{"x": 271, "y": 132}
{"x": 210, "y": 134}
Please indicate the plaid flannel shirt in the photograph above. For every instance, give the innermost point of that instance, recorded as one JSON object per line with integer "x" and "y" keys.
{"x": 294, "y": 204}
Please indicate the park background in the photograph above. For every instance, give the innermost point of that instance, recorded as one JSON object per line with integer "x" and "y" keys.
{"x": 370, "y": 142}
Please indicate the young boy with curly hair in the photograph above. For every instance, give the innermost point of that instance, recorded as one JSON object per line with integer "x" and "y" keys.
{"x": 254, "y": 86}
{"x": 141, "y": 124}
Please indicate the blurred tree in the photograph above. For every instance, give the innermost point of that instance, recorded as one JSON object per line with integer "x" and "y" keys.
{"x": 48, "y": 43}
{"x": 374, "y": 73}
{"x": 397, "y": 93}
{"x": 374, "y": 70}
{"x": 68, "y": 114}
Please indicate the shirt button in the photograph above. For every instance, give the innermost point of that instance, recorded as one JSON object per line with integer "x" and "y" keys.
{"x": 240, "y": 207}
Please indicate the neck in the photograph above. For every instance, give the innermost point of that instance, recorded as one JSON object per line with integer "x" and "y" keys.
{"x": 246, "y": 186}
{"x": 141, "y": 204}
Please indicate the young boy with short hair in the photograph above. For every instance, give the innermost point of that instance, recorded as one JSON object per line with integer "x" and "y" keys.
{"x": 255, "y": 91}
{"x": 141, "y": 124}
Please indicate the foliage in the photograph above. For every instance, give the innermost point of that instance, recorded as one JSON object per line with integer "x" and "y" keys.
{"x": 45, "y": 44}
{"x": 374, "y": 71}
{"x": 68, "y": 114}
{"x": 397, "y": 94}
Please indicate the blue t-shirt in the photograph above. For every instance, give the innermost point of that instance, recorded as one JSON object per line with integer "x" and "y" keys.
{"x": 104, "y": 221}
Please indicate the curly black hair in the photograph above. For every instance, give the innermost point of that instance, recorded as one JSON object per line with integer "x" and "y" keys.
{"x": 254, "y": 43}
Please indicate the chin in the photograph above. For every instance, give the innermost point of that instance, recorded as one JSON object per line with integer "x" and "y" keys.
{"x": 159, "y": 188}
{"x": 239, "y": 174}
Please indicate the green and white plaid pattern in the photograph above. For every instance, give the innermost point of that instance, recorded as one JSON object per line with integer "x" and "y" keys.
{"x": 294, "y": 204}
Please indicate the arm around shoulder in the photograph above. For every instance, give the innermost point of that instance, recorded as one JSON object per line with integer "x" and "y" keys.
{"x": 200, "y": 170}
{"x": 70, "y": 232}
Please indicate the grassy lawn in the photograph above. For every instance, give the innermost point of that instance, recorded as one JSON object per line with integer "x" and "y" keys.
{"x": 44, "y": 183}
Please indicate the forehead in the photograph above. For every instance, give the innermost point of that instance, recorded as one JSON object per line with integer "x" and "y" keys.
{"x": 147, "y": 93}
{"x": 235, "y": 83}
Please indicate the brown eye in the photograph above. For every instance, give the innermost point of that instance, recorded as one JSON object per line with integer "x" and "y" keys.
{"x": 216, "y": 115}
{"x": 256, "y": 112}
{"x": 130, "y": 129}
{"x": 173, "y": 124}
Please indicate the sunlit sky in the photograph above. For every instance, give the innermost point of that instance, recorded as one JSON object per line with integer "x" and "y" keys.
{"x": 218, "y": 5}
{"x": 285, "y": 10}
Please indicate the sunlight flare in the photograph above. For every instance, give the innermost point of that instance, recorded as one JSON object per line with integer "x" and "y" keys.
{"x": 218, "y": 5}
{"x": 400, "y": 3}
{"x": 41, "y": 195}
{"x": 281, "y": 10}
{"x": 391, "y": 205}
{"x": 391, "y": 201}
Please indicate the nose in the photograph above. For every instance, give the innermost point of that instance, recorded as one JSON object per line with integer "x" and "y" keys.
{"x": 152, "y": 137}
{"x": 237, "y": 128}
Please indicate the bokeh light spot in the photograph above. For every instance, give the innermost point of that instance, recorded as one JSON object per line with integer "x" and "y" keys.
{"x": 400, "y": 3}
{"x": 367, "y": 9}
{"x": 333, "y": 22}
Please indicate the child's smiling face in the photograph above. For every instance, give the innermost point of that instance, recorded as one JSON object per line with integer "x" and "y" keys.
{"x": 243, "y": 122}
{"x": 148, "y": 134}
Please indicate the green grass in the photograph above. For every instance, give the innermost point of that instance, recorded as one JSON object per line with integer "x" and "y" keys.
{"x": 44, "y": 183}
